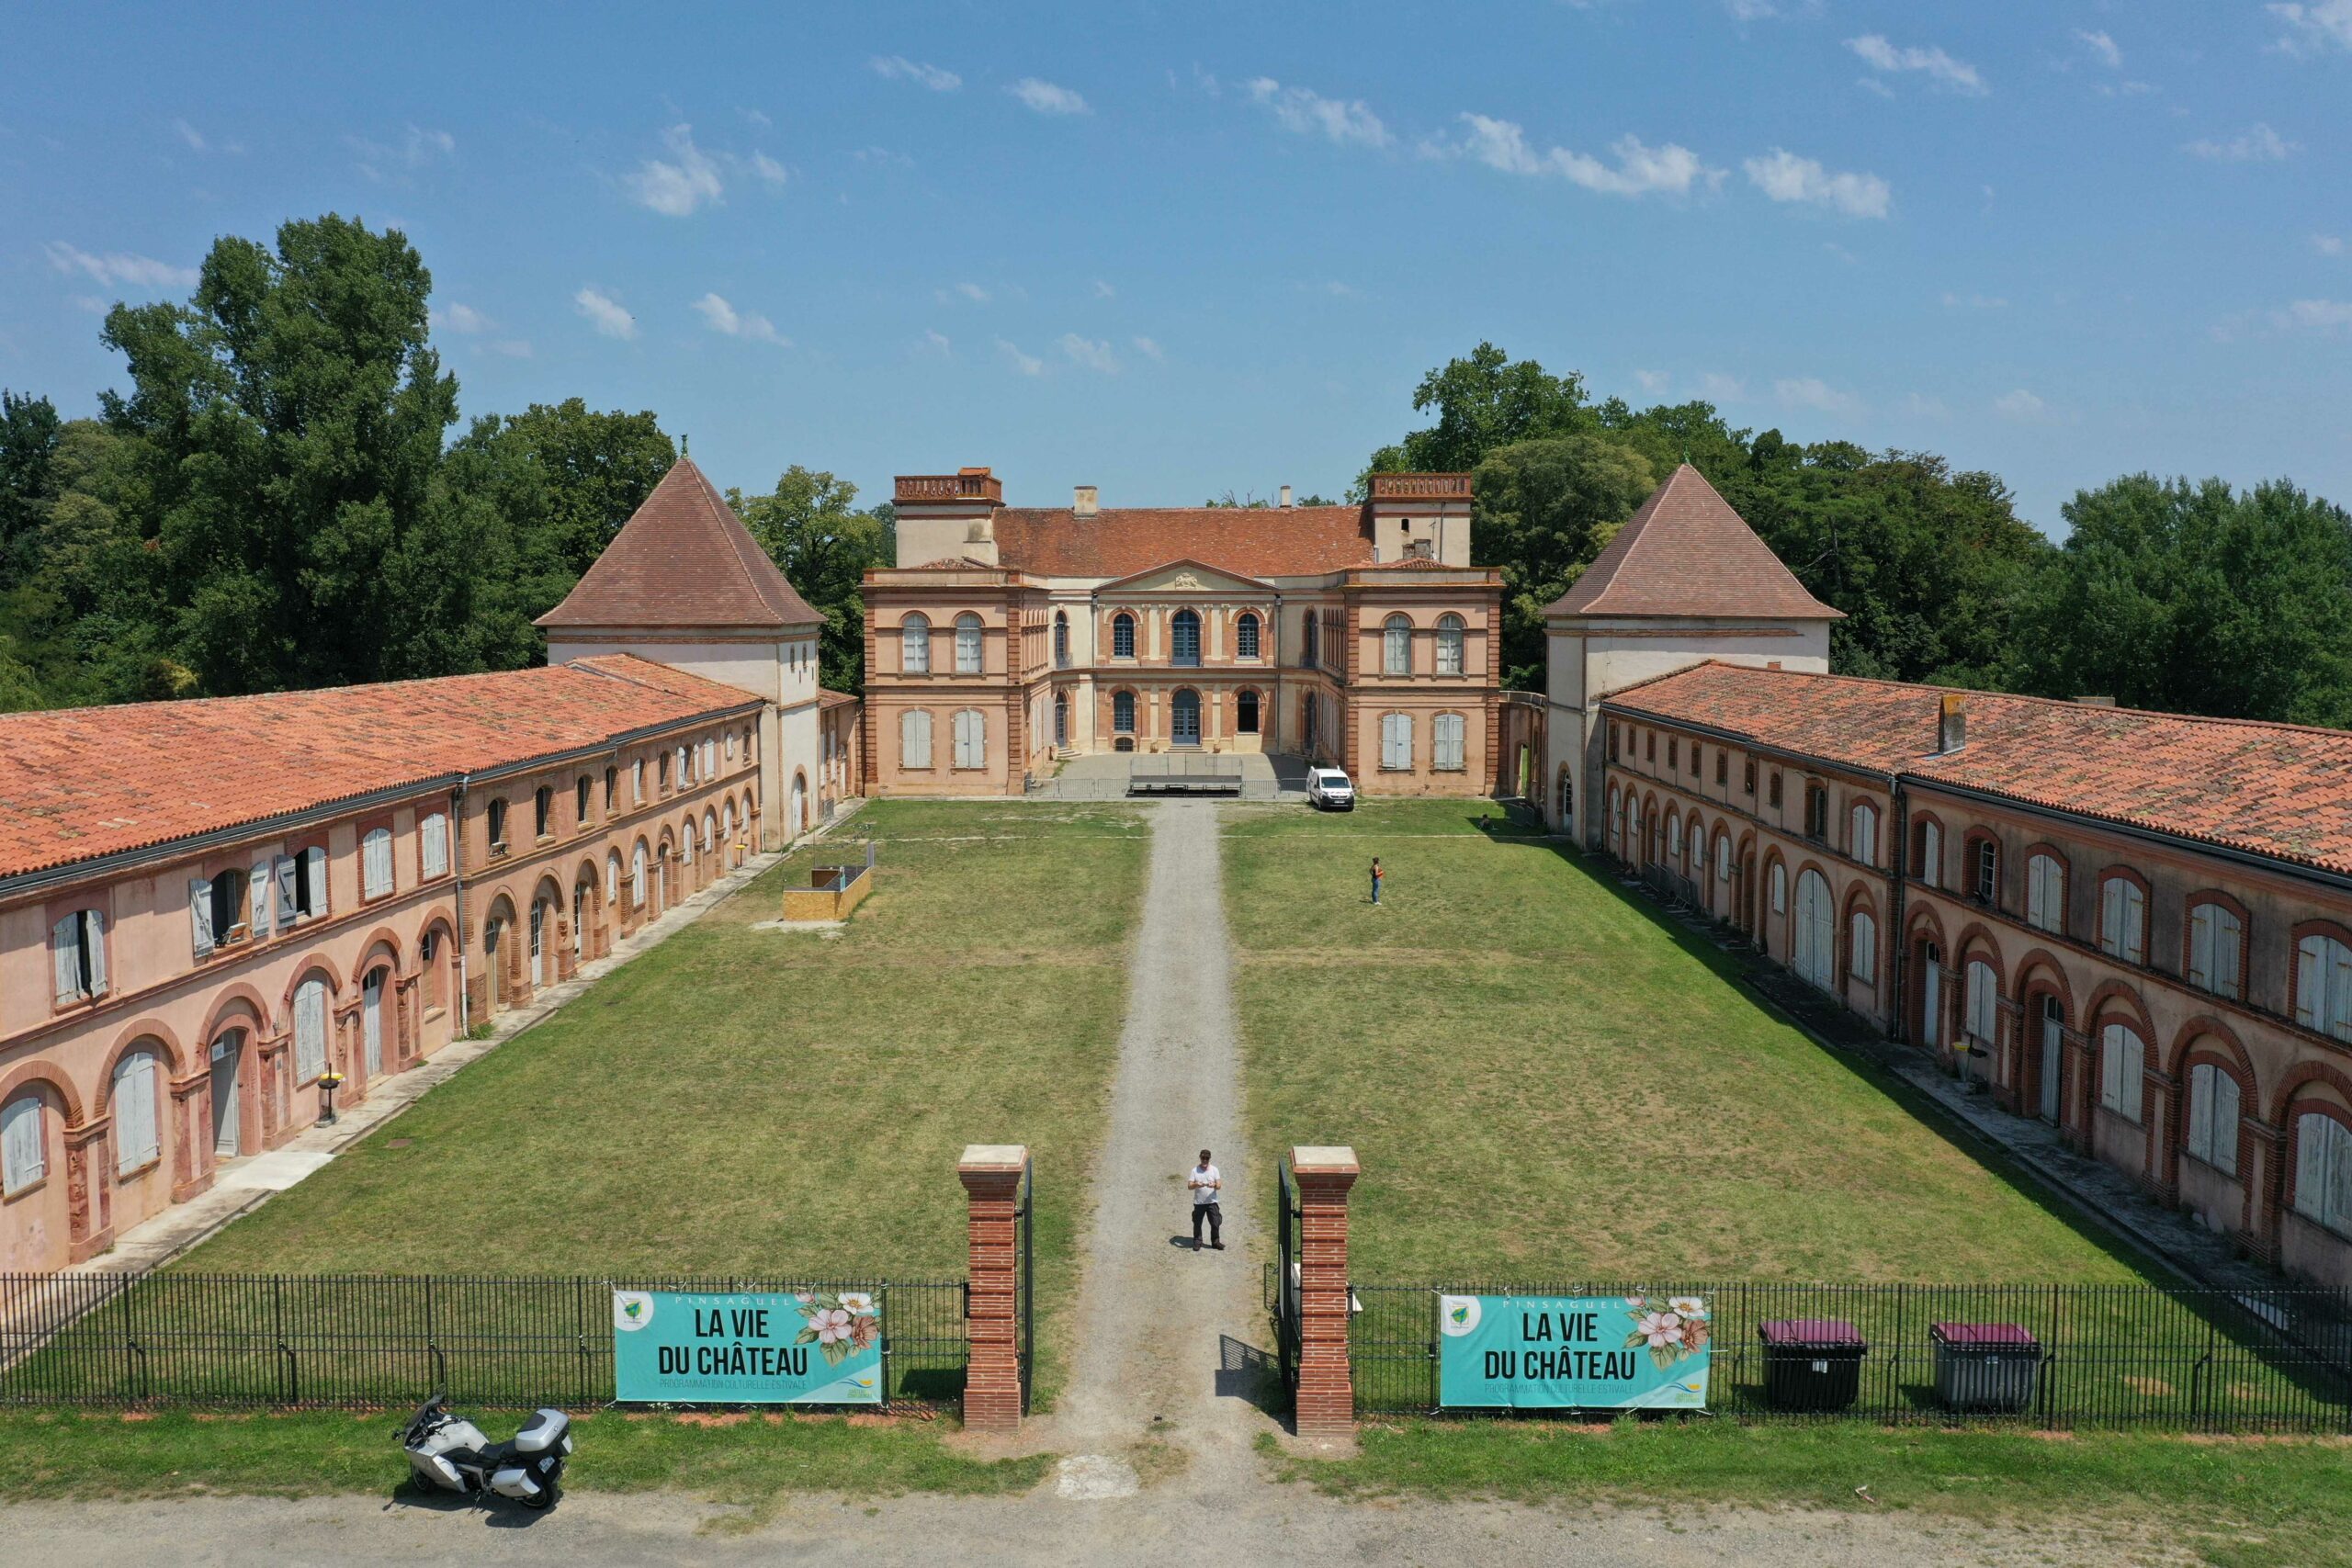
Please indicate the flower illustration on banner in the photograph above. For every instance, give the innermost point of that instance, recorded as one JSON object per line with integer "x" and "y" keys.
{"x": 839, "y": 1325}
{"x": 1670, "y": 1329}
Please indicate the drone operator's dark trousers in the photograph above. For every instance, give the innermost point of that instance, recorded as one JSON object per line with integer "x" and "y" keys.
{"x": 1214, "y": 1214}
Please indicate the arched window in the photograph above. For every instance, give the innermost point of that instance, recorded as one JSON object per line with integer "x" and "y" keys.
{"x": 1244, "y": 637}
{"x": 914, "y": 644}
{"x": 1616, "y": 819}
{"x": 1309, "y": 654}
{"x": 1723, "y": 857}
{"x": 1184, "y": 638}
{"x": 1929, "y": 863}
{"x": 1449, "y": 645}
{"x": 692, "y": 842}
{"x": 637, "y": 876}
{"x": 2323, "y": 1171}
{"x": 968, "y": 644}
{"x": 1122, "y": 713}
{"x": 1816, "y": 932}
{"x": 24, "y": 1145}
{"x": 2213, "y": 1117}
{"x": 1244, "y": 713}
{"x": 2121, "y": 1056}
{"x": 1184, "y": 718}
{"x": 2323, "y": 986}
{"x": 580, "y": 803}
{"x": 1061, "y": 639}
{"x": 1395, "y": 740}
{"x": 613, "y": 877}
{"x": 971, "y": 739}
{"x": 376, "y": 862}
{"x": 1862, "y": 962}
{"x": 1673, "y": 837}
{"x": 433, "y": 841}
{"x": 136, "y": 1141}
{"x": 1446, "y": 739}
{"x": 2124, "y": 919}
{"x": 915, "y": 738}
{"x": 2216, "y": 948}
{"x": 1396, "y": 647}
{"x": 309, "y": 1029}
{"x": 726, "y": 809}
{"x": 1862, "y": 836}
{"x": 2045, "y": 893}
{"x": 1981, "y": 1018}
{"x": 1779, "y": 888}
{"x": 77, "y": 951}
{"x": 1123, "y": 636}
{"x": 1984, "y": 869}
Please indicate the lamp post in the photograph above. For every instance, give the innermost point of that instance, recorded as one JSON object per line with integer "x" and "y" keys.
{"x": 329, "y": 1081}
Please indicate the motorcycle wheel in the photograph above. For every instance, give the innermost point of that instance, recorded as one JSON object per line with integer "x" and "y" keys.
{"x": 546, "y": 1499}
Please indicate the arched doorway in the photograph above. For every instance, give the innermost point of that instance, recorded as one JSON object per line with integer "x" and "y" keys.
{"x": 539, "y": 942}
{"x": 579, "y": 921}
{"x": 227, "y": 1059}
{"x": 1184, "y": 639}
{"x": 1061, "y": 718}
{"x": 1816, "y": 932}
{"x": 1931, "y": 995}
{"x": 1184, "y": 718}
{"x": 1564, "y": 800}
{"x": 2051, "y": 1020}
{"x": 800, "y": 805}
{"x": 493, "y": 964}
{"x": 371, "y": 1019}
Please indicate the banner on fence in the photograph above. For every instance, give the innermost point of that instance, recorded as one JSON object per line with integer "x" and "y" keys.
{"x": 1573, "y": 1352}
{"x": 686, "y": 1347}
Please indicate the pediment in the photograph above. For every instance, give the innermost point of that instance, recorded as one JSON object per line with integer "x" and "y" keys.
{"x": 1186, "y": 577}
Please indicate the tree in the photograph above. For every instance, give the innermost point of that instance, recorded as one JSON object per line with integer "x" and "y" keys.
{"x": 1541, "y": 511}
{"x": 811, "y": 528}
{"x": 28, "y": 435}
{"x": 1483, "y": 401}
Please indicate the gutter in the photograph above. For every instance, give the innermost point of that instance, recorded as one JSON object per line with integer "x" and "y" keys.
{"x": 458, "y": 869}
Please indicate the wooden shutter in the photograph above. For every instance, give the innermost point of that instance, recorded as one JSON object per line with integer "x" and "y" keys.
{"x": 2036, "y": 899}
{"x": 284, "y": 878}
{"x": 2110, "y": 916}
{"x": 2339, "y": 991}
{"x": 2225, "y": 1122}
{"x": 2311, "y": 1164}
{"x": 2201, "y": 1080}
{"x": 134, "y": 1104}
{"x": 309, "y": 1030}
{"x": 2111, "y": 1067}
{"x": 2229, "y": 940}
{"x": 314, "y": 881}
{"x": 2201, "y": 947}
{"x": 1931, "y": 856}
{"x": 257, "y": 898}
{"x": 24, "y": 1156}
{"x": 94, "y": 948}
{"x": 376, "y": 862}
{"x": 199, "y": 913}
{"x": 65, "y": 956}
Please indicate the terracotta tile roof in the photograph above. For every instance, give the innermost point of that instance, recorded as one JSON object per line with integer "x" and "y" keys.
{"x": 829, "y": 698}
{"x": 79, "y": 783}
{"x": 1686, "y": 552}
{"x": 2280, "y": 790}
{"x": 683, "y": 559}
{"x": 1300, "y": 541}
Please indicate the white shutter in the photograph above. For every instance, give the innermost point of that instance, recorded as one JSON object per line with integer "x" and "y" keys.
{"x": 2229, "y": 940}
{"x": 2037, "y": 895}
{"x": 2225, "y": 1122}
{"x": 65, "y": 956}
{"x": 436, "y": 853}
{"x": 612, "y": 879}
{"x": 1779, "y": 888}
{"x": 376, "y": 862}
{"x": 1931, "y": 852}
{"x": 2339, "y": 992}
{"x": 94, "y": 945}
{"x": 199, "y": 913}
{"x": 2201, "y": 947}
{"x": 24, "y": 1158}
{"x": 1447, "y": 739}
{"x": 2135, "y": 923}
{"x": 2201, "y": 1080}
{"x": 309, "y": 1030}
{"x": 2311, "y": 1164}
{"x": 2110, "y": 1068}
{"x": 2110, "y": 916}
{"x": 915, "y": 738}
{"x": 314, "y": 879}
{"x": 258, "y": 899}
{"x": 2307, "y": 982}
{"x": 134, "y": 1110}
{"x": 286, "y": 891}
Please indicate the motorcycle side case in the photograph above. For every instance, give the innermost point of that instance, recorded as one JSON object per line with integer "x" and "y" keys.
{"x": 515, "y": 1482}
{"x": 434, "y": 1471}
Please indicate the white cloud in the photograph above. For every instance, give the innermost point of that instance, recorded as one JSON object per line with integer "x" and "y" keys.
{"x": 188, "y": 134}
{"x": 512, "y": 347}
{"x": 1973, "y": 301}
{"x": 1640, "y": 169}
{"x": 1652, "y": 381}
{"x": 120, "y": 267}
{"x": 1812, "y": 392}
{"x": 1841, "y": 253}
{"x": 939, "y": 343}
{"x": 1148, "y": 348}
{"x": 2258, "y": 144}
{"x": 1715, "y": 387}
{"x": 1784, "y": 176}
{"x": 2330, "y": 245}
{"x": 2101, "y": 47}
{"x": 605, "y": 312}
{"x": 1092, "y": 352}
{"x": 90, "y": 302}
{"x": 898, "y": 68}
{"x": 676, "y": 189}
{"x": 972, "y": 291}
{"x": 1347, "y": 122}
{"x": 1921, "y": 406}
{"x": 462, "y": 319}
{"x": 416, "y": 148}
{"x": 757, "y": 118}
{"x": 1881, "y": 55}
{"x": 768, "y": 169}
{"x": 2019, "y": 404}
{"x": 721, "y": 317}
{"x": 2326, "y": 316}
{"x": 1046, "y": 99}
{"x": 1338, "y": 290}
{"x": 1873, "y": 85}
{"x": 1028, "y": 364}
{"x": 2321, "y": 25}
{"x": 1104, "y": 290}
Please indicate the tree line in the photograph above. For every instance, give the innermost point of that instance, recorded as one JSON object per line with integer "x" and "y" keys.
{"x": 2168, "y": 594}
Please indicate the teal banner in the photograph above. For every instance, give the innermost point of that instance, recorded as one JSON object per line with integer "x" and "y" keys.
{"x": 1573, "y": 1352}
{"x": 682, "y": 1346}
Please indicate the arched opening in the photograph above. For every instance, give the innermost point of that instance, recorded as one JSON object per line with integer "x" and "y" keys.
{"x": 1123, "y": 636}
{"x": 539, "y": 949}
{"x": 227, "y": 1058}
{"x": 1061, "y": 639}
{"x": 1184, "y": 639}
{"x": 799, "y": 804}
{"x": 1816, "y": 935}
{"x": 1184, "y": 718}
{"x": 372, "y": 988}
{"x": 1061, "y": 719}
{"x": 1564, "y": 800}
{"x": 1245, "y": 712}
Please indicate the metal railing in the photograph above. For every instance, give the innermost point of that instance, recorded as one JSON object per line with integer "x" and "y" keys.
{"x": 295, "y": 1340}
{"x": 2110, "y": 1356}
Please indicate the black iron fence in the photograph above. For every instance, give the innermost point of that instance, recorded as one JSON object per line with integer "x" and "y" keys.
{"x": 2101, "y": 1354}
{"x": 290, "y": 1340}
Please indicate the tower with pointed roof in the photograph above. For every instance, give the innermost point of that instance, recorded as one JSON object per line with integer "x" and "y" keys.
{"x": 683, "y": 584}
{"x": 1685, "y": 579}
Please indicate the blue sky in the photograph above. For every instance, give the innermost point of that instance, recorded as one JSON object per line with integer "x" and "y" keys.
{"x": 1174, "y": 249}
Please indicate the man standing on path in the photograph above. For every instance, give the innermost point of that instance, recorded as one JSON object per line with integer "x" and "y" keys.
{"x": 1206, "y": 1183}
{"x": 1376, "y": 874}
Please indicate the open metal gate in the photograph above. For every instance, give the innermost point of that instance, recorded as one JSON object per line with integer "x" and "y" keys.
{"x": 1285, "y": 1291}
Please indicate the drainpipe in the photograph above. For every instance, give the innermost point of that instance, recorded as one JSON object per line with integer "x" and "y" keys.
{"x": 1899, "y": 1025}
{"x": 457, "y": 866}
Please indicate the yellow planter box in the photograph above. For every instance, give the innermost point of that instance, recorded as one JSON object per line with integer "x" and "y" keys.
{"x": 832, "y": 892}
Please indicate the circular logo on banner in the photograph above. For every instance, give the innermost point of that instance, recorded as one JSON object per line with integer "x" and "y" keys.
{"x": 632, "y": 1310}
{"x": 1457, "y": 1315}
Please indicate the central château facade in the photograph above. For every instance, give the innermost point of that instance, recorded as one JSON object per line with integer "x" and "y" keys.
{"x": 1008, "y": 639}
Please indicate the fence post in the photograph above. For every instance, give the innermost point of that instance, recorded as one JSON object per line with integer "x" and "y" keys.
{"x": 1326, "y": 1399}
{"x": 992, "y": 1177}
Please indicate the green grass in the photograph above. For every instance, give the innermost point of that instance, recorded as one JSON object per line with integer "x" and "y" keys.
{"x": 2235, "y": 1503}
{"x": 773, "y": 1104}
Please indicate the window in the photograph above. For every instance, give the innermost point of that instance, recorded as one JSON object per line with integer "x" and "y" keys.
{"x": 309, "y": 1029}
{"x": 1864, "y": 964}
{"x": 24, "y": 1151}
{"x": 1673, "y": 838}
{"x": 1927, "y": 864}
{"x": 1123, "y": 636}
{"x": 1614, "y": 731}
{"x": 637, "y": 876}
{"x": 1396, "y": 647}
{"x": 1815, "y": 932}
{"x": 1395, "y": 741}
{"x": 637, "y": 781}
{"x": 2121, "y": 1056}
{"x": 1673, "y": 754}
{"x": 968, "y": 644}
{"x": 613, "y": 877}
{"x": 1985, "y": 870}
{"x": 612, "y": 786}
{"x": 1723, "y": 857}
{"x": 217, "y": 907}
{"x": 2124, "y": 919}
{"x": 1184, "y": 638}
{"x": 661, "y": 774}
{"x": 2323, "y": 1171}
{"x": 433, "y": 845}
{"x": 1244, "y": 713}
{"x": 914, "y": 644}
{"x": 1982, "y": 1020}
{"x": 1309, "y": 630}
{"x": 1244, "y": 637}
{"x": 496, "y": 812}
{"x": 1774, "y": 794}
{"x": 2045, "y": 894}
{"x": 1122, "y": 713}
{"x": 1446, "y": 734}
{"x": 2213, "y": 1117}
{"x": 1779, "y": 888}
{"x": 580, "y": 804}
{"x": 2216, "y": 948}
{"x": 1650, "y": 754}
{"x": 1449, "y": 645}
{"x": 136, "y": 1144}
{"x": 1816, "y": 812}
{"x": 915, "y": 738}
{"x": 1861, "y": 833}
{"x": 77, "y": 950}
{"x": 971, "y": 739}
{"x": 301, "y": 884}
{"x": 376, "y": 862}
{"x": 2323, "y": 986}
{"x": 1722, "y": 767}
{"x": 685, "y": 773}
{"x": 1061, "y": 639}
{"x": 1747, "y": 782}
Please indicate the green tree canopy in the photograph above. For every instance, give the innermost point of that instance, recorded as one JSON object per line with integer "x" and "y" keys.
{"x": 1541, "y": 511}
{"x": 811, "y": 527}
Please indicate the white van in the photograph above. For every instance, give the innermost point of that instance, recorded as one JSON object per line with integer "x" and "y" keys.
{"x": 1327, "y": 789}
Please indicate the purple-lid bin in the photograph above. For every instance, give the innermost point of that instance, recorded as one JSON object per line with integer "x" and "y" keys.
{"x": 1984, "y": 1336}
{"x": 1832, "y": 1332}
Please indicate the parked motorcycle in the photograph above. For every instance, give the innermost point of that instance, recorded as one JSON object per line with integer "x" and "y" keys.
{"x": 450, "y": 1453}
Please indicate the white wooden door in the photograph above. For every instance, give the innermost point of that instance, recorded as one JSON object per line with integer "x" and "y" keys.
{"x": 1816, "y": 941}
{"x": 371, "y": 1020}
{"x": 2052, "y": 1036}
{"x": 227, "y": 1051}
{"x": 539, "y": 943}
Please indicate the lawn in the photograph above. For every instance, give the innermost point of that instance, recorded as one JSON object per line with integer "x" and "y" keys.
{"x": 773, "y": 1104}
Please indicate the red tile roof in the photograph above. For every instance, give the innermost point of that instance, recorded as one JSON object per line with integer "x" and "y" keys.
{"x": 80, "y": 782}
{"x": 2280, "y": 790}
{"x": 683, "y": 559}
{"x": 1686, "y": 552}
{"x": 1299, "y": 541}
{"x": 827, "y": 698}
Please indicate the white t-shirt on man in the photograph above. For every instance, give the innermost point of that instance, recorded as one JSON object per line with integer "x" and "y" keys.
{"x": 1206, "y": 1177}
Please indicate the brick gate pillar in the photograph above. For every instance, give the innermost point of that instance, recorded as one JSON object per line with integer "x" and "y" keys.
{"x": 992, "y": 1177}
{"x": 1326, "y": 1399}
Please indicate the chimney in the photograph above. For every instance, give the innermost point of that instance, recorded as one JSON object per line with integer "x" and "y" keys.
{"x": 1285, "y": 495}
{"x": 1083, "y": 501}
{"x": 1951, "y": 730}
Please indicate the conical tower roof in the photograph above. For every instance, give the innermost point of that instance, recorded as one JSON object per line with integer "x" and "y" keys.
{"x": 684, "y": 559}
{"x": 1686, "y": 552}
